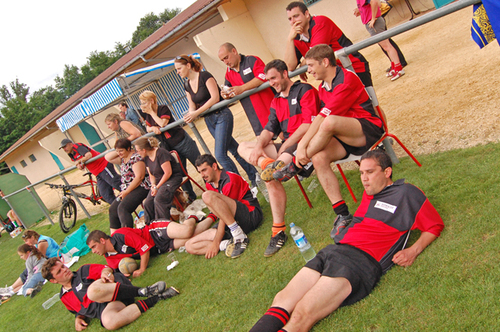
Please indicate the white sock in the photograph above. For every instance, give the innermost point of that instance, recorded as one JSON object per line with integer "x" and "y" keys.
{"x": 236, "y": 232}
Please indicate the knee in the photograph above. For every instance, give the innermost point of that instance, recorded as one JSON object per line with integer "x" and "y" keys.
{"x": 189, "y": 245}
{"x": 321, "y": 159}
{"x": 208, "y": 197}
{"x": 93, "y": 292}
{"x": 329, "y": 125}
{"x": 109, "y": 322}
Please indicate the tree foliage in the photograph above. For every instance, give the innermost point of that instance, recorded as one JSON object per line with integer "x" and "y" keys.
{"x": 20, "y": 111}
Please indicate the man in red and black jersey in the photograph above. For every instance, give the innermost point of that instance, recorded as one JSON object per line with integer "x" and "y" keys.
{"x": 293, "y": 109}
{"x": 246, "y": 72}
{"x": 345, "y": 273}
{"x": 230, "y": 200}
{"x": 348, "y": 124}
{"x": 308, "y": 31}
{"x": 107, "y": 178}
{"x": 96, "y": 291}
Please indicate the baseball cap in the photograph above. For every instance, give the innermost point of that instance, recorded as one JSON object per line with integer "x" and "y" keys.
{"x": 64, "y": 142}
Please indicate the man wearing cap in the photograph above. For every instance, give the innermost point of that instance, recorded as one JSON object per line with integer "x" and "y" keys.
{"x": 107, "y": 178}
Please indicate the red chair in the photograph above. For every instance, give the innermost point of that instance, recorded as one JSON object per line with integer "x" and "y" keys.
{"x": 185, "y": 179}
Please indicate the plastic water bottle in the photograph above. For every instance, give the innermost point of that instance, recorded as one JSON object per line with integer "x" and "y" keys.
{"x": 300, "y": 239}
{"x": 262, "y": 186}
{"x": 50, "y": 302}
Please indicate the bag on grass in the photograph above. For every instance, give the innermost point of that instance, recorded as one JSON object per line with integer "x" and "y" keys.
{"x": 76, "y": 242}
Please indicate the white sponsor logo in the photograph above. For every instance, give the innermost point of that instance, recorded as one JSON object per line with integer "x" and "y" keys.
{"x": 386, "y": 207}
{"x": 247, "y": 71}
{"x": 325, "y": 111}
{"x": 262, "y": 76}
{"x": 313, "y": 117}
{"x": 145, "y": 247}
{"x": 79, "y": 287}
{"x": 294, "y": 101}
{"x": 124, "y": 248}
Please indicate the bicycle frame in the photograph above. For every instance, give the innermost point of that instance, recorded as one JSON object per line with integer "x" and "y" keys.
{"x": 93, "y": 198}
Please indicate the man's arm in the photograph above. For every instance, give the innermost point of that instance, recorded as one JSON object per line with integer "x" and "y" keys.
{"x": 407, "y": 256}
{"x": 239, "y": 89}
{"x": 80, "y": 164}
{"x": 144, "y": 265}
{"x": 258, "y": 151}
{"x": 295, "y": 137}
{"x": 375, "y": 4}
{"x": 301, "y": 156}
{"x": 213, "y": 249}
{"x": 290, "y": 53}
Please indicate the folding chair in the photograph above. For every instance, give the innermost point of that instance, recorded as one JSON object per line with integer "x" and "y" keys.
{"x": 303, "y": 192}
{"x": 185, "y": 179}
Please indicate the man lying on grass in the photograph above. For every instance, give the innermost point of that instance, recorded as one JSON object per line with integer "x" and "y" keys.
{"x": 345, "y": 273}
{"x": 97, "y": 291}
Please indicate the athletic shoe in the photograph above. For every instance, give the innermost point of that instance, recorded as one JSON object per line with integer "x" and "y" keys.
{"x": 36, "y": 289}
{"x": 7, "y": 291}
{"x": 286, "y": 173}
{"x": 267, "y": 173}
{"x": 155, "y": 289}
{"x": 170, "y": 292}
{"x": 236, "y": 248}
{"x": 340, "y": 223}
{"x": 390, "y": 73}
{"x": 397, "y": 74}
{"x": 275, "y": 244}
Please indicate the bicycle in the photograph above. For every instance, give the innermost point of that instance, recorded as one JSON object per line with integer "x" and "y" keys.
{"x": 67, "y": 214}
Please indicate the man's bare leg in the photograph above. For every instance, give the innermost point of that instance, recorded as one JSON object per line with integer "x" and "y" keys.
{"x": 222, "y": 206}
{"x": 198, "y": 244}
{"x": 116, "y": 314}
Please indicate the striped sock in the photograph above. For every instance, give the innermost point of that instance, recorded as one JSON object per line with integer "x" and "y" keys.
{"x": 236, "y": 231}
{"x": 273, "y": 320}
{"x": 265, "y": 162}
{"x": 146, "y": 304}
{"x": 278, "y": 227}
{"x": 340, "y": 208}
{"x": 123, "y": 292}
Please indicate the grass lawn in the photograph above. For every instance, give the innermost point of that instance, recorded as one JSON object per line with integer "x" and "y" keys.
{"x": 450, "y": 287}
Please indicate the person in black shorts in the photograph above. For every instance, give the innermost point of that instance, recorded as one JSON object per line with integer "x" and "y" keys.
{"x": 369, "y": 246}
{"x": 229, "y": 198}
{"x": 347, "y": 124}
{"x": 96, "y": 291}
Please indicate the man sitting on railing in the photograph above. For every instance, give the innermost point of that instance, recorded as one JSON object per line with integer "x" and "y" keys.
{"x": 107, "y": 178}
{"x": 292, "y": 111}
{"x": 348, "y": 124}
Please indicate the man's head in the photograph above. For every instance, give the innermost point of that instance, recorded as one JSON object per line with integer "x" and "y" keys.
{"x": 208, "y": 168}
{"x": 298, "y": 13}
{"x": 66, "y": 145}
{"x": 123, "y": 109}
{"x": 277, "y": 74}
{"x": 320, "y": 61}
{"x": 229, "y": 55}
{"x": 56, "y": 272}
{"x": 97, "y": 242}
{"x": 376, "y": 171}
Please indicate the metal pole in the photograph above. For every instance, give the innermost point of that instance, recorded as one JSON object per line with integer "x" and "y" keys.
{"x": 74, "y": 196}
{"x": 41, "y": 206}
{"x": 199, "y": 138}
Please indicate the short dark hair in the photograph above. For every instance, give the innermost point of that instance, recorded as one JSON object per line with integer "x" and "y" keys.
{"x": 96, "y": 235}
{"x": 320, "y": 52}
{"x": 380, "y": 156}
{"x": 277, "y": 64}
{"x": 206, "y": 158}
{"x": 47, "y": 267}
{"x": 123, "y": 143}
{"x": 123, "y": 104}
{"x": 295, "y": 4}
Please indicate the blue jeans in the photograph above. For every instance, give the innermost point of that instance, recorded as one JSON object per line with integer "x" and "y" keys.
{"x": 106, "y": 181}
{"x": 35, "y": 279}
{"x": 220, "y": 126}
{"x": 187, "y": 149}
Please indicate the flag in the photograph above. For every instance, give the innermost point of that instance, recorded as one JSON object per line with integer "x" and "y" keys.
{"x": 481, "y": 31}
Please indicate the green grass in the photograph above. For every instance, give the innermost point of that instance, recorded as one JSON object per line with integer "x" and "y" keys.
{"x": 451, "y": 287}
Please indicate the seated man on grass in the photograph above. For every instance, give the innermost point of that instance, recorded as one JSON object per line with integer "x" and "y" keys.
{"x": 292, "y": 111}
{"x": 348, "y": 124}
{"x": 158, "y": 237}
{"x": 229, "y": 198}
{"x": 97, "y": 291}
{"x": 345, "y": 273}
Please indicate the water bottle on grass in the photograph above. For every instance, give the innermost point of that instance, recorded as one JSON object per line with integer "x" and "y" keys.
{"x": 50, "y": 302}
{"x": 262, "y": 186}
{"x": 300, "y": 239}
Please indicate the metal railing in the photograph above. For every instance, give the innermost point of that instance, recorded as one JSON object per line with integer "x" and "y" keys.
{"x": 342, "y": 54}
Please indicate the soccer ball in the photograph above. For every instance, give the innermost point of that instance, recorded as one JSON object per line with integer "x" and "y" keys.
{"x": 127, "y": 265}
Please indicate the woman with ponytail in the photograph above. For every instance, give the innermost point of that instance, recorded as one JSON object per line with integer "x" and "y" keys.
{"x": 202, "y": 93}
{"x": 34, "y": 261}
{"x": 165, "y": 176}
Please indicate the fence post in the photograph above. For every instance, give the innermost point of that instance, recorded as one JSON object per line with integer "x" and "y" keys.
{"x": 199, "y": 138}
{"x": 40, "y": 205}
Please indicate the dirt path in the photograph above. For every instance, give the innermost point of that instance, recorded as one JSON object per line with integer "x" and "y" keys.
{"x": 448, "y": 99}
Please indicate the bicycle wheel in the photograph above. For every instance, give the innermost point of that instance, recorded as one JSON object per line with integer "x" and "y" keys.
{"x": 67, "y": 216}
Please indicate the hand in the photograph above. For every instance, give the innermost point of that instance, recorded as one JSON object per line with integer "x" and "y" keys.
{"x": 123, "y": 194}
{"x": 295, "y": 30}
{"x": 301, "y": 158}
{"x": 137, "y": 273}
{"x": 80, "y": 165}
{"x": 212, "y": 250}
{"x": 156, "y": 130}
{"x": 303, "y": 77}
{"x": 107, "y": 277}
{"x": 80, "y": 323}
{"x": 372, "y": 22}
{"x": 405, "y": 257}
{"x": 154, "y": 191}
{"x": 236, "y": 90}
{"x": 225, "y": 95}
{"x": 256, "y": 153}
{"x": 190, "y": 116}
{"x": 356, "y": 12}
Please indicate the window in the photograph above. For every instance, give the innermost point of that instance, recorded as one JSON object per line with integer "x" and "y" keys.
{"x": 310, "y": 2}
{"x": 32, "y": 158}
{"x": 23, "y": 163}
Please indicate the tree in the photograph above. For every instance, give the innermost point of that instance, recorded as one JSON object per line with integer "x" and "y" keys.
{"x": 150, "y": 23}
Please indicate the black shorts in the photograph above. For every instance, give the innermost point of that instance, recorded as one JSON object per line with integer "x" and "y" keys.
{"x": 163, "y": 243}
{"x": 248, "y": 221}
{"x": 372, "y": 135}
{"x": 361, "y": 269}
{"x": 291, "y": 149}
{"x": 99, "y": 307}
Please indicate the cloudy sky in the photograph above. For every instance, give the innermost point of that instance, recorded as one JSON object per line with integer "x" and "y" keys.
{"x": 40, "y": 37}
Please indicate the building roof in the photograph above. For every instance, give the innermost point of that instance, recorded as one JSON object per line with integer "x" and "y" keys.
{"x": 170, "y": 32}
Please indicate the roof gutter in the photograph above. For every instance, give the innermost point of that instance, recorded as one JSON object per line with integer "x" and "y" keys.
{"x": 137, "y": 57}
